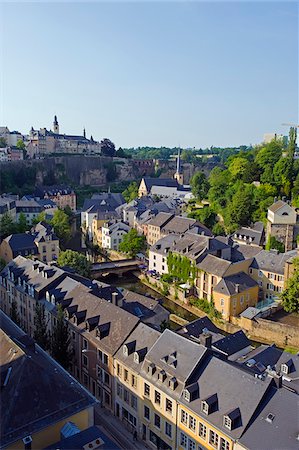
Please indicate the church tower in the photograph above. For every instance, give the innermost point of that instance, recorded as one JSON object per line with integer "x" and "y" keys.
{"x": 55, "y": 125}
{"x": 179, "y": 174}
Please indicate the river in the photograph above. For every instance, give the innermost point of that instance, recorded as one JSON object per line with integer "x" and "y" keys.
{"x": 132, "y": 283}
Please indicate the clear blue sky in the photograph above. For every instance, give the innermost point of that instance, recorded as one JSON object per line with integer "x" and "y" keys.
{"x": 151, "y": 73}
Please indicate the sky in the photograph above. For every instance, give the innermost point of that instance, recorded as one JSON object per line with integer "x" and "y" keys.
{"x": 189, "y": 74}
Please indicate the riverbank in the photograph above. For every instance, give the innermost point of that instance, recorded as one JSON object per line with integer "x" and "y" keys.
{"x": 261, "y": 331}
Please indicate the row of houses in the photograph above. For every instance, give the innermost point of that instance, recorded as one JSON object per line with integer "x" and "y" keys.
{"x": 191, "y": 389}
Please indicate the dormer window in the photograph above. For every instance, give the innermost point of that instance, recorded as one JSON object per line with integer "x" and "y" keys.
{"x": 151, "y": 369}
{"x": 125, "y": 350}
{"x": 227, "y": 422}
{"x": 205, "y": 407}
{"x": 186, "y": 395}
{"x": 48, "y": 296}
{"x": 136, "y": 358}
{"x": 284, "y": 368}
{"x": 53, "y": 299}
{"x": 173, "y": 383}
{"x": 162, "y": 375}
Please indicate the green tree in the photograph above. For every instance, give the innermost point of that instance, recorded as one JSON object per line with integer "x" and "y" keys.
{"x": 131, "y": 192}
{"x": 238, "y": 212}
{"x": 199, "y": 185}
{"x": 60, "y": 340}
{"x": 290, "y": 296}
{"x": 269, "y": 154}
{"x": 205, "y": 215}
{"x": 218, "y": 229}
{"x": 238, "y": 167}
{"x": 132, "y": 243}
{"x": 68, "y": 211}
{"x": 3, "y": 142}
{"x": 292, "y": 142}
{"x": 273, "y": 244}
{"x": 22, "y": 223}
{"x": 219, "y": 181}
{"x": 76, "y": 261}
{"x": 61, "y": 225}
{"x": 120, "y": 153}
{"x": 14, "y": 314}
{"x": 41, "y": 334}
{"x": 7, "y": 225}
{"x": 40, "y": 218}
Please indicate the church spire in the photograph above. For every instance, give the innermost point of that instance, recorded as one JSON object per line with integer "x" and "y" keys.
{"x": 55, "y": 125}
{"x": 84, "y": 132}
{"x": 178, "y": 161}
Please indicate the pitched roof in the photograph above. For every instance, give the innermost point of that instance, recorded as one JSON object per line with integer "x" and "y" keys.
{"x": 140, "y": 340}
{"x": 167, "y": 182}
{"x": 38, "y": 392}
{"x": 272, "y": 260}
{"x": 21, "y": 242}
{"x": 236, "y": 283}
{"x": 277, "y": 205}
{"x": 160, "y": 219}
{"x": 276, "y": 425}
{"x": 213, "y": 264}
{"x": 232, "y": 343}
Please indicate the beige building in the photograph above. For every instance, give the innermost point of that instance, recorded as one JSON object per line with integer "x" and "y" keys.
{"x": 281, "y": 224}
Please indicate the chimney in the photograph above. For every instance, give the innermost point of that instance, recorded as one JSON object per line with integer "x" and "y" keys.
{"x": 114, "y": 298}
{"x": 206, "y": 340}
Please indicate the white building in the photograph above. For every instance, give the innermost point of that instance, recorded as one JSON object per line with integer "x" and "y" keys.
{"x": 113, "y": 234}
{"x": 158, "y": 253}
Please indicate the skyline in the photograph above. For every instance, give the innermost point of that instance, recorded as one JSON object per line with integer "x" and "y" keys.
{"x": 156, "y": 74}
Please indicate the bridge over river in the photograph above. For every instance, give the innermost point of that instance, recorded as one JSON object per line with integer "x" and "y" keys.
{"x": 114, "y": 267}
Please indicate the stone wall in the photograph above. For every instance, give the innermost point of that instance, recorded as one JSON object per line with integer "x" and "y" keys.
{"x": 263, "y": 330}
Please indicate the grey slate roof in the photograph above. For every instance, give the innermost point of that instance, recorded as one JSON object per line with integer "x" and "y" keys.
{"x": 282, "y": 432}
{"x": 21, "y": 242}
{"x": 236, "y": 283}
{"x": 234, "y": 389}
{"x": 272, "y": 261}
{"x": 232, "y": 343}
{"x": 160, "y": 219}
{"x": 213, "y": 264}
{"x": 277, "y": 205}
{"x": 177, "y": 356}
{"x": 167, "y": 182}
{"x": 164, "y": 245}
{"x": 38, "y": 393}
{"x": 140, "y": 340}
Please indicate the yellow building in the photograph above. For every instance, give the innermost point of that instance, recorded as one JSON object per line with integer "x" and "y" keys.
{"x": 235, "y": 293}
{"x": 38, "y": 397}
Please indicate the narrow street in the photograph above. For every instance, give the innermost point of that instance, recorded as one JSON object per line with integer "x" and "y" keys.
{"x": 115, "y": 430}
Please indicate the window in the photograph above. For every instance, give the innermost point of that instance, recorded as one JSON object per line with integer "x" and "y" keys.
{"x": 106, "y": 378}
{"x": 85, "y": 344}
{"x": 192, "y": 423}
{"x": 73, "y": 335}
{"x": 214, "y": 438}
{"x": 134, "y": 401}
{"x": 202, "y": 431}
{"x": 146, "y": 413}
{"x": 118, "y": 367}
{"x": 134, "y": 381}
{"x": 126, "y": 375}
{"x": 184, "y": 417}
{"x": 119, "y": 390}
{"x": 99, "y": 373}
{"x": 100, "y": 354}
{"x": 146, "y": 390}
{"x": 85, "y": 360}
{"x": 222, "y": 302}
{"x": 126, "y": 396}
{"x": 183, "y": 440}
{"x": 105, "y": 359}
{"x": 224, "y": 444}
{"x": 242, "y": 299}
{"x": 168, "y": 405}
{"x": 157, "y": 421}
{"x": 191, "y": 445}
{"x": 205, "y": 407}
{"x": 168, "y": 429}
{"x": 234, "y": 302}
{"x": 260, "y": 273}
{"x": 85, "y": 379}
{"x": 227, "y": 422}
{"x": 157, "y": 397}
